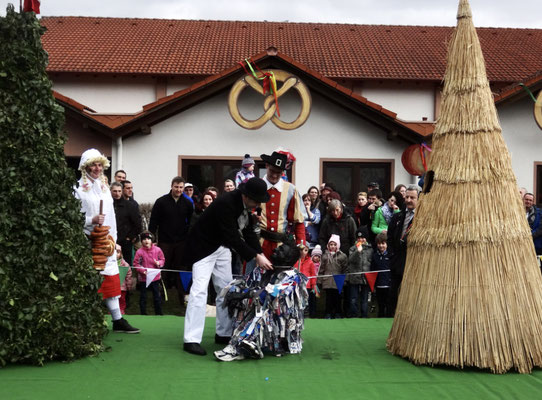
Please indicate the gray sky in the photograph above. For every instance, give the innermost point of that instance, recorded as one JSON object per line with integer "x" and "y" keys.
{"x": 495, "y": 13}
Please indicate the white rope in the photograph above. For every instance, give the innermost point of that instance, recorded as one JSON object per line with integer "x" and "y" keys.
{"x": 309, "y": 277}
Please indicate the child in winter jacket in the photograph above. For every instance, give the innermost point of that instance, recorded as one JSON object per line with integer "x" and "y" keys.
{"x": 126, "y": 283}
{"x": 359, "y": 260}
{"x": 334, "y": 262}
{"x": 147, "y": 258}
{"x": 316, "y": 256}
{"x": 381, "y": 261}
{"x": 307, "y": 268}
{"x": 246, "y": 172}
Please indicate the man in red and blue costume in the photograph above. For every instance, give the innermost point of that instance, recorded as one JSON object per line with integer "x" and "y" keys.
{"x": 284, "y": 213}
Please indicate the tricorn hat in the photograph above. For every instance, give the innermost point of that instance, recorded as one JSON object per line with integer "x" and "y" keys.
{"x": 255, "y": 189}
{"x": 277, "y": 160}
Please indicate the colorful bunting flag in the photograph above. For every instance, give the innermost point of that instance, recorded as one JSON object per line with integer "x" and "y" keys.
{"x": 122, "y": 273}
{"x": 186, "y": 277}
{"x": 151, "y": 274}
{"x": 371, "y": 278}
{"x": 339, "y": 281}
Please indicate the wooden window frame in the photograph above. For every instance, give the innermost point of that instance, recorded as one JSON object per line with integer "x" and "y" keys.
{"x": 257, "y": 160}
{"x": 536, "y": 189}
{"x": 389, "y": 161}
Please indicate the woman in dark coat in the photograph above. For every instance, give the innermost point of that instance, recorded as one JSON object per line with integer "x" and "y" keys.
{"x": 338, "y": 223}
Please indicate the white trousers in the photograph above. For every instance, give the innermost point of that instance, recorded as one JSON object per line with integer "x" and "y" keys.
{"x": 217, "y": 265}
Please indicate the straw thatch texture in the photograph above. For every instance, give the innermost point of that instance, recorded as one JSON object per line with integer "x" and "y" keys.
{"x": 472, "y": 289}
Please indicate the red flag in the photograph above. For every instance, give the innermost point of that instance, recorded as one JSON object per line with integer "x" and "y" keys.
{"x": 371, "y": 278}
{"x": 31, "y": 5}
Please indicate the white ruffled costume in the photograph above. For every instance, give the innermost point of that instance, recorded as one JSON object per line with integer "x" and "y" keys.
{"x": 90, "y": 192}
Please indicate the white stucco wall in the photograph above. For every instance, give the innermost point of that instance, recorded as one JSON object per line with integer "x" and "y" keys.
{"x": 523, "y": 138}
{"x": 109, "y": 95}
{"x": 411, "y": 101}
{"x": 208, "y": 130}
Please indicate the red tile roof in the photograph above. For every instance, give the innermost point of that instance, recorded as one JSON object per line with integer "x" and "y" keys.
{"x": 186, "y": 47}
{"x": 68, "y": 100}
{"x": 517, "y": 88}
{"x": 117, "y": 121}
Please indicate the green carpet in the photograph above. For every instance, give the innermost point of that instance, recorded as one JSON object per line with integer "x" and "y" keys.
{"x": 341, "y": 359}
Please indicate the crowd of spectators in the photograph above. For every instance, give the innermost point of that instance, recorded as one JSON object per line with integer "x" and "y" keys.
{"x": 369, "y": 235}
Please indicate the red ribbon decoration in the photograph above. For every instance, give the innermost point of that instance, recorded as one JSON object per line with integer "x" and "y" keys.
{"x": 266, "y": 77}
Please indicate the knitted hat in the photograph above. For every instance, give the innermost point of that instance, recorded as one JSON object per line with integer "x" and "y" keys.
{"x": 317, "y": 251}
{"x": 91, "y": 156}
{"x": 146, "y": 235}
{"x": 362, "y": 232}
{"x": 336, "y": 239}
{"x": 247, "y": 161}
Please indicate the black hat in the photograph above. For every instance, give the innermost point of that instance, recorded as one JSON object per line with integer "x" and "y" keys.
{"x": 362, "y": 232}
{"x": 255, "y": 189}
{"x": 374, "y": 185}
{"x": 277, "y": 160}
{"x": 146, "y": 235}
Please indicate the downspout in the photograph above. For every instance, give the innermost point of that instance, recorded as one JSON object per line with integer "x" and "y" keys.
{"x": 119, "y": 153}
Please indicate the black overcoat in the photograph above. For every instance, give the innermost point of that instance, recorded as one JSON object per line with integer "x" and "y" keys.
{"x": 218, "y": 226}
{"x": 397, "y": 247}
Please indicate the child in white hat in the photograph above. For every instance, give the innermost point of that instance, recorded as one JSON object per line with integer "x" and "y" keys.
{"x": 334, "y": 262}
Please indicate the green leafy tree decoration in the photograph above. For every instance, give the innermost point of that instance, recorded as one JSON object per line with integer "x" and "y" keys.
{"x": 49, "y": 306}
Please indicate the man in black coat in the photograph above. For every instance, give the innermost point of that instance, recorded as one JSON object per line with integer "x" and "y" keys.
{"x": 170, "y": 220}
{"x": 398, "y": 229}
{"x": 128, "y": 221}
{"x": 208, "y": 247}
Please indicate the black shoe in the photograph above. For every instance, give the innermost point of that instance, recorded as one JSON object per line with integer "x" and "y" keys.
{"x": 250, "y": 349}
{"x": 222, "y": 339}
{"x": 194, "y": 348}
{"x": 121, "y": 325}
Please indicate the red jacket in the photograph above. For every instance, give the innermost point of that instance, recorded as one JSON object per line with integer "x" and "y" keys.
{"x": 307, "y": 268}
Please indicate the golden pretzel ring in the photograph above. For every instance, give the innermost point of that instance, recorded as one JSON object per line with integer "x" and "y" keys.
{"x": 288, "y": 81}
{"x": 538, "y": 110}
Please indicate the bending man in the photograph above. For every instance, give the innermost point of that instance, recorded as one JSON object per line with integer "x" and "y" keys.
{"x": 208, "y": 251}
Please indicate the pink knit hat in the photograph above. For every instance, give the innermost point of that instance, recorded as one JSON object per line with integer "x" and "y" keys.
{"x": 317, "y": 251}
{"x": 336, "y": 239}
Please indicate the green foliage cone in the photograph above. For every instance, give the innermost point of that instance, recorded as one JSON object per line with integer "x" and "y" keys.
{"x": 49, "y": 306}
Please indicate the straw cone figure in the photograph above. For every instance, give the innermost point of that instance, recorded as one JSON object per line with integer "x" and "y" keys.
{"x": 472, "y": 290}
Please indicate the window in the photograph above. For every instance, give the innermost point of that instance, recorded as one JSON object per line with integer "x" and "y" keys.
{"x": 538, "y": 183}
{"x": 352, "y": 177}
{"x": 203, "y": 173}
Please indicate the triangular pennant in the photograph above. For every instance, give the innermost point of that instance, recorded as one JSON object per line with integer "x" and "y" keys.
{"x": 371, "y": 278}
{"x": 122, "y": 273}
{"x": 151, "y": 274}
{"x": 186, "y": 277}
{"x": 339, "y": 281}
